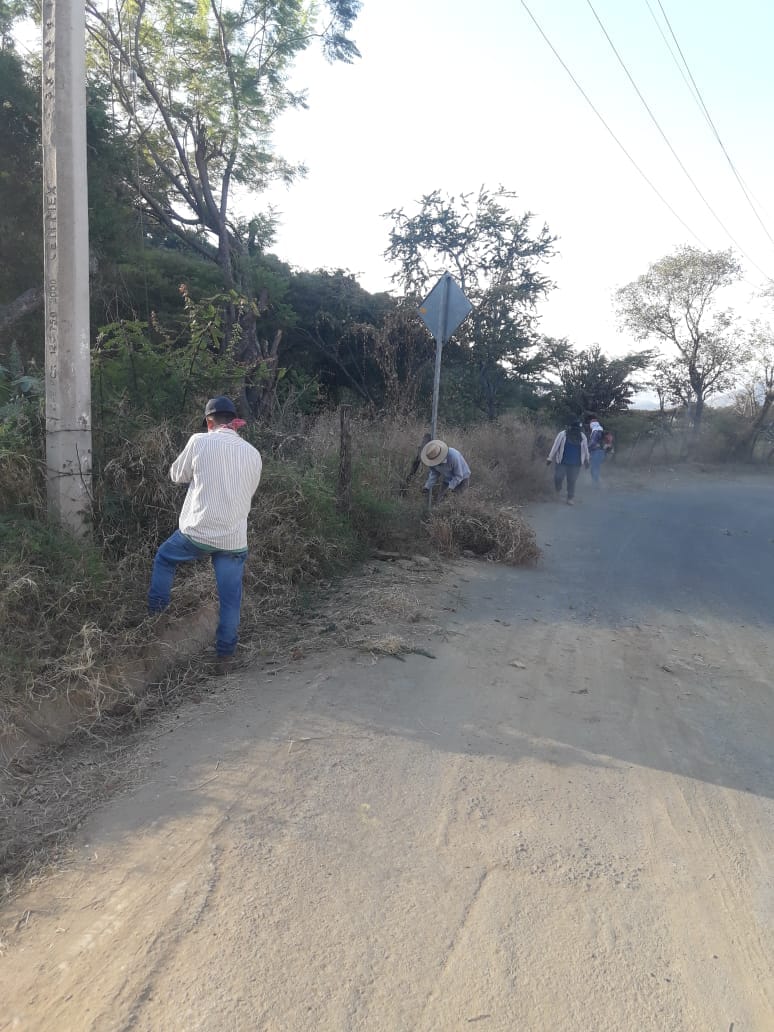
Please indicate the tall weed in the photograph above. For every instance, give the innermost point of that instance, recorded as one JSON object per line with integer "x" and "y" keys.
{"x": 70, "y": 610}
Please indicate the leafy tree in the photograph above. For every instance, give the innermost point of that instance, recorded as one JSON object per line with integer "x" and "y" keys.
{"x": 113, "y": 230}
{"x": 404, "y": 354}
{"x": 494, "y": 257}
{"x": 756, "y": 399}
{"x": 199, "y": 86}
{"x": 165, "y": 373}
{"x": 330, "y": 334}
{"x": 674, "y": 303}
{"x": 671, "y": 384}
{"x": 589, "y": 382}
{"x": 144, "y": 281}
{"x": 21, "y": 191}
{"x": 11, "y": 11}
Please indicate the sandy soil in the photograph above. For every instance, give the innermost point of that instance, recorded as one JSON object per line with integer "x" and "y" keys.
{"x": 560, "y": 819}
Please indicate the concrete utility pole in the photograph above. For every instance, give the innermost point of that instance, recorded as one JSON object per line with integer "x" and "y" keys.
{"x": 66, "y": 265}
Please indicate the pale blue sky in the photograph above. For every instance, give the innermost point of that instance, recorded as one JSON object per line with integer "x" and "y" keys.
{"x": 453, "y": 95}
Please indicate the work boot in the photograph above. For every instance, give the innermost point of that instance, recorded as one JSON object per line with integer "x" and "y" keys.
{"x": 223, "y": 665}
{"x": 162, "y": 621}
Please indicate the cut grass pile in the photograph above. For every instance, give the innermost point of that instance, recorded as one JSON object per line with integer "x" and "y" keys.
{"x": 468, "y": 526}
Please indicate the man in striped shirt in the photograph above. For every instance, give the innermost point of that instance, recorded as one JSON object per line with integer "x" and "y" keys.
{"x": 222, "y": 472}
{"x": 446, "y": 465}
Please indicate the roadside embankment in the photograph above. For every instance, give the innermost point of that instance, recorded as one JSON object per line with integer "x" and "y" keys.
{"x": 78, "y": 646}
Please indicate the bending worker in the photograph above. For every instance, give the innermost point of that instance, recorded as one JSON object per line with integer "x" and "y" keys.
{"x": 446, "y": 465}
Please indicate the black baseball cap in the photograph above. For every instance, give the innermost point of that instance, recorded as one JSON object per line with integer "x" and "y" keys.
{"x": 218, "y": 406}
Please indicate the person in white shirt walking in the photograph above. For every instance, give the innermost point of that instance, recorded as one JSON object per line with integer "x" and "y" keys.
{"x": 222, "y": 472}
{"x": 569, "y": 452}
{"x": 597, "y": 448}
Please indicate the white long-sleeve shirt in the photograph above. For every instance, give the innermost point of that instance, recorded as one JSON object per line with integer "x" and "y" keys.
{"x": 557, "y": 451}
{"x": 222, "y": 472}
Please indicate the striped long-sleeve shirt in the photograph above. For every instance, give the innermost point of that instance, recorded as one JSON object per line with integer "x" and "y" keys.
{"x": 222, "y": 472}
{"x": 452, "y": 471}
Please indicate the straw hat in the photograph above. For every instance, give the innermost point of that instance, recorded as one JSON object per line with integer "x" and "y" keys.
{"x": 434, "y": 453}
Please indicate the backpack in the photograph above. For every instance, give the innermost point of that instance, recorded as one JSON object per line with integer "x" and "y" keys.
{"x": 601, "y": 439}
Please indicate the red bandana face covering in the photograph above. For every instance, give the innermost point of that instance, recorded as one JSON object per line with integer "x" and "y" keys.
{"x": 235, "y": 424}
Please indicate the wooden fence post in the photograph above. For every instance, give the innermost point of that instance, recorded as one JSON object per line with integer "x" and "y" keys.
{"x": 344, "y": 493}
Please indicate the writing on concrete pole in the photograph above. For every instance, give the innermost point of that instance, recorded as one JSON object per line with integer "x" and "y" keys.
{"x": 442, "y": 312}
{"x": 66, "y": 265}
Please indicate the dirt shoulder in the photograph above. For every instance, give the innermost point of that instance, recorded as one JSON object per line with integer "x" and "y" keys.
{"x": 385, "y": 607}
{"x": 517, "y": 798}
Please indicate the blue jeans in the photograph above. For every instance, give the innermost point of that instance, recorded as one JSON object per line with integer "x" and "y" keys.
{"x": 597, "y": 457}
{"x": 228, "y": 566}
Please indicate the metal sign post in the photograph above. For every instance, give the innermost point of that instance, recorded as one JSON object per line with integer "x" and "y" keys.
{"x": 439, "y": 343}
{"x": 442, "y": 311}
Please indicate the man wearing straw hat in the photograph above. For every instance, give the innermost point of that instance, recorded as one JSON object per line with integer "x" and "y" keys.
{"x": 446, "y": 465}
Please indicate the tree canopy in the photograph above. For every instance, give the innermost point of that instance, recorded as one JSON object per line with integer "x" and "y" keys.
{"x": 590, "y": 382}
{"x": 495, "y": 257}
{"x": 674, "y": 303}
{"x": 198, "y": 88}
{"x": 182, "y": 104}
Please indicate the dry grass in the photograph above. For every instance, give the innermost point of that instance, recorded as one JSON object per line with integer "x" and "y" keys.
{"x": 468, "y": 525}
{"x": 507, "y": 459}
{"x": 390, "y": 645}
{"x": 134, "y": 499}
{"x": 74, "y": 615}
{"x": 45, "y": 799}
{"x": 21, "y": 477}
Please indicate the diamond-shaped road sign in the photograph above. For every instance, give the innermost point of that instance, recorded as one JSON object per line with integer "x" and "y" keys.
{"x": 444, "y": 308}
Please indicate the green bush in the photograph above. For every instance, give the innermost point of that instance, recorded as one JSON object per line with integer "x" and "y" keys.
{"x": 22, "y": 469}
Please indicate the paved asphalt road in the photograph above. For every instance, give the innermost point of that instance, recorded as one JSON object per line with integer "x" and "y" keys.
{"x": 699, "y": 544}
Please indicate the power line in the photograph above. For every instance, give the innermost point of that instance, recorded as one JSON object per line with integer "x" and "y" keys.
{"x": 588, "y": 100}
{"x": 703, "y": 107}
{"x": 668, "y": 142}
{"x": 679, "y": 67}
